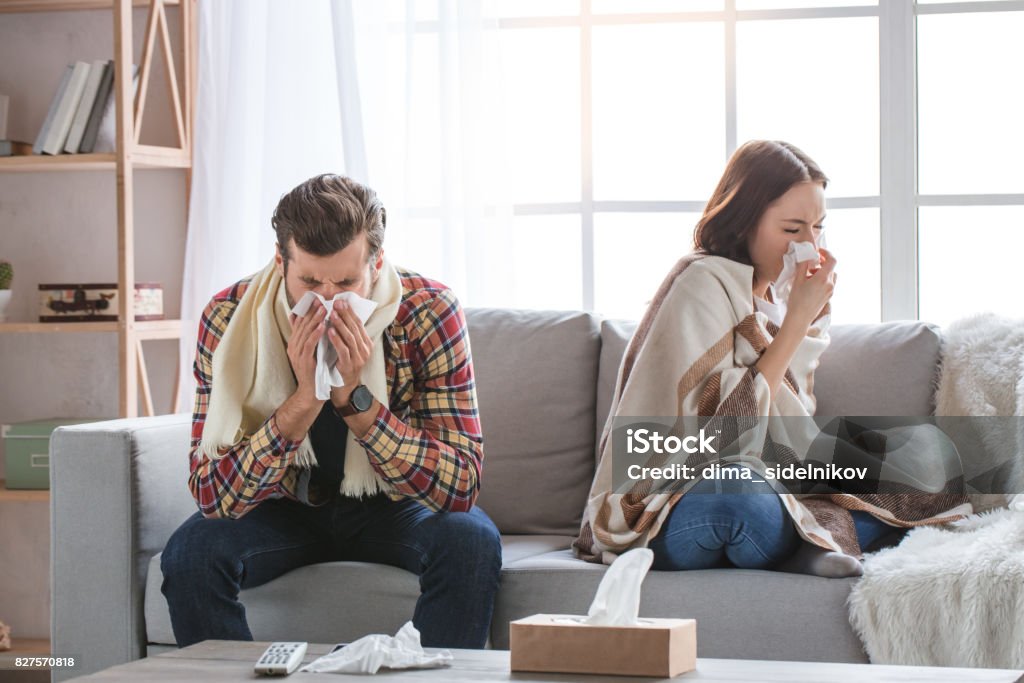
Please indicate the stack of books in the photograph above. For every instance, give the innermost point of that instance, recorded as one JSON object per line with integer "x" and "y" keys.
{"x": 82, "y": 102}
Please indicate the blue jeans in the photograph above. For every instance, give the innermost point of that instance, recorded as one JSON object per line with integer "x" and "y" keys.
{"x": 741, "y": 523}
{"x": 457, "y": 556}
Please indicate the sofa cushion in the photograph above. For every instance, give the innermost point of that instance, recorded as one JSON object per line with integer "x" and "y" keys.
{"x": 373, "y": 598}
{"x": 740, "y": 613}
{"x": 536, "y": 373}
{"x": 856, "y": 375}
{"x": 881, "y": 369}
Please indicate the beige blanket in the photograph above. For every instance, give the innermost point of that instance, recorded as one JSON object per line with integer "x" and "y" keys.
{"x": 693, "y": 356}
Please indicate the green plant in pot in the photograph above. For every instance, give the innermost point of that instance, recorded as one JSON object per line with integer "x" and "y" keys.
{"x": 6, "y": 276}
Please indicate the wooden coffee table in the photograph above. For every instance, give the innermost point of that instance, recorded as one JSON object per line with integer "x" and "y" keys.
{"x": 224, "y": 660}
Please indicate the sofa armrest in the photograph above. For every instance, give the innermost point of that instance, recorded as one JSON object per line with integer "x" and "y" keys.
{"x": 119, "y": 489}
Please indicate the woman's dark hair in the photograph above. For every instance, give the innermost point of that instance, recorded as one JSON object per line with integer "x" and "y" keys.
{"x": 758, "y": 173}
{"x": 324, "y": 214}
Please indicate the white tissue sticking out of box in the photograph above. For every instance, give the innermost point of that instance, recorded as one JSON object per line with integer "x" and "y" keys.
{"x": 798, "y": 252}
{"x": 327, "y": 374}
{"x": 617, "y": 601}
{"x": 373, "y": 652}
{"x": 1016, "y": 502}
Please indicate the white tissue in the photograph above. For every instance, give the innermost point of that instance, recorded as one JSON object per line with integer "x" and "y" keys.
{"x": 617, "y": 601}
{"x": 368, "y": 654}
{"x": 798, "y": 252}
{"x": 327, "y": 374}
{"x": 1016, "y": 502}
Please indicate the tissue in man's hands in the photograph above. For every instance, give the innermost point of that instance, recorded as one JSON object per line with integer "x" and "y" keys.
{"x": 373, "y": 652}
{"x": 327, "y": 374}
{"x": 611, "y": 640}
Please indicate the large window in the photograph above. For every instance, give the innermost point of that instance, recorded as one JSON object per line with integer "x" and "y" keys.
{"x": 624, "y": 112}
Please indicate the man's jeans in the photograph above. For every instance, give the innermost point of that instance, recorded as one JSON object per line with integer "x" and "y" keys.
{"x": 741, "y": 523}
{"x": 457, "y": 556}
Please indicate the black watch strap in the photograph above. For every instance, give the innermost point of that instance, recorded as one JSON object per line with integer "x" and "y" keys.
{"x": 359, "y": 401}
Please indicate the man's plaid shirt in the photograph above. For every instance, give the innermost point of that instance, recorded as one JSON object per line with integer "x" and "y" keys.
{"x": 427, "y": 444}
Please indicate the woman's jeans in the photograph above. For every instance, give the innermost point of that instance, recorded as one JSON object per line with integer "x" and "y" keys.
{"x": 737, "y": 522}
{"x": 457, "y": 556}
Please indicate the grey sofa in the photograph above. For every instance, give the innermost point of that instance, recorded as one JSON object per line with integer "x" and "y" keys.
{"x": 545, "y": 381}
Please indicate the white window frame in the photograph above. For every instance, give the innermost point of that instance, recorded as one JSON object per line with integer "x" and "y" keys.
{"x": 898, "y": 200}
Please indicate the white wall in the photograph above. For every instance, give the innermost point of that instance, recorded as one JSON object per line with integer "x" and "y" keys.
{"x": 61, "y": 227}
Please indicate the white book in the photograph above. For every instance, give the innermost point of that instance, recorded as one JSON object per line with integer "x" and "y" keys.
{"x": 92, "y": 85}
{"x": 4, "y": 102}
{"x": 54, "y": 103}
{"x": 66, "y": 110}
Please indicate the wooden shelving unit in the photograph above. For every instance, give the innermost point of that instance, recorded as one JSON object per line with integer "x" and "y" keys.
{"x": 142, "y": 159}
{"x": 22, "y": 495}
{"x": 66, "y": 5}
{"x": 129, "y": 156}
{"x": 23, "y": 646}
{"x": 29, "y": 646}
{"x": 145, "y": 329}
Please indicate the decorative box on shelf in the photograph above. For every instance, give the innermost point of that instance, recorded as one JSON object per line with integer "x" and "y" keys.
{"x": 27, "y": 451}
{"x": 97, "y": 302}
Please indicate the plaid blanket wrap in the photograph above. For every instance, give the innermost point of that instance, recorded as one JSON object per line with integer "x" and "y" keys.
{"x": 693, "y": 357}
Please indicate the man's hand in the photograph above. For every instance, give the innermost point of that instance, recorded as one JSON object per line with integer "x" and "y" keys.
{"x": 306, "y": 333}
{"x": 297, "y": 414}
{"x": 350, "y": 340}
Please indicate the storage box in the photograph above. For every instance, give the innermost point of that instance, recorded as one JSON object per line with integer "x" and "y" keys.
{"x": 97, "y": 302}
{"x": 27, "y": 451}
{"x": 558, "y": 643}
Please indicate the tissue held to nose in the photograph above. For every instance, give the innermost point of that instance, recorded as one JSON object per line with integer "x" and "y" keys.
{"x": 327, "y": 374}
{"x": 798, "y": 252}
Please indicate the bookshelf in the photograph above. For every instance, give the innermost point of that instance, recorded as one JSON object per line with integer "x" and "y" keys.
{"x": 22, "y": 646}
{"x": 130, "y": 156}
{"x": 22, "y": 495}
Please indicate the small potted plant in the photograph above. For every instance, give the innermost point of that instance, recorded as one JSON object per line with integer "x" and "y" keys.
{"x": 6, "y": 275}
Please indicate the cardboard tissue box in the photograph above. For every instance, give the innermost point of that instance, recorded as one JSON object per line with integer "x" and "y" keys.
{"x": 560, "y": 643}
{"x": 611, "y": 639}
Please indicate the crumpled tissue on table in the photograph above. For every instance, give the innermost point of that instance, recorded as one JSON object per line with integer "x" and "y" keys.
{"x": 370, "y": 653}
{"x": 327, "y": 374}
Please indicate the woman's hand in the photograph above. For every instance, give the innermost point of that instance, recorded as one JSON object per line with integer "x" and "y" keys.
{"x": 812, "y": 289}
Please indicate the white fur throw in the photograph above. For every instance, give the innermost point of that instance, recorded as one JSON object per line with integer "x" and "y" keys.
{"x": 949, "y": 596}
{"x": 983, "y": 375}
{"x": 954, "y": 595}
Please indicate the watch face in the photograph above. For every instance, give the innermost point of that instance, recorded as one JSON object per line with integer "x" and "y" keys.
{"x": 361, "y": 398}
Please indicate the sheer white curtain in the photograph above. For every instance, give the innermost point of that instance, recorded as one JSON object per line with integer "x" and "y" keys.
{"x": 398, "y": 94}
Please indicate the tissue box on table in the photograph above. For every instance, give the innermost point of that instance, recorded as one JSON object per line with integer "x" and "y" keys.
{"x": 561, "y": 643}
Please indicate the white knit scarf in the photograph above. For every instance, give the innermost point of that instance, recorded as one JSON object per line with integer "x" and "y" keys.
{"x": 253, "y": 376}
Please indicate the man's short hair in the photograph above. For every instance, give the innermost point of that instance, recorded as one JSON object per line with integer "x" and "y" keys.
{"x": 326, "y": 213}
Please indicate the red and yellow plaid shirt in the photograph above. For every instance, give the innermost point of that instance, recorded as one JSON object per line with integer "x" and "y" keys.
{"x": 427, "y": 444}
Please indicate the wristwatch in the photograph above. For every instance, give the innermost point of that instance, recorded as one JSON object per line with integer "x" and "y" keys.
{"x": 359, "y": 402}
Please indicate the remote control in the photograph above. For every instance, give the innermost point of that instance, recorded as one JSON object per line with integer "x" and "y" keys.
{"x": 281, "y": 659}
